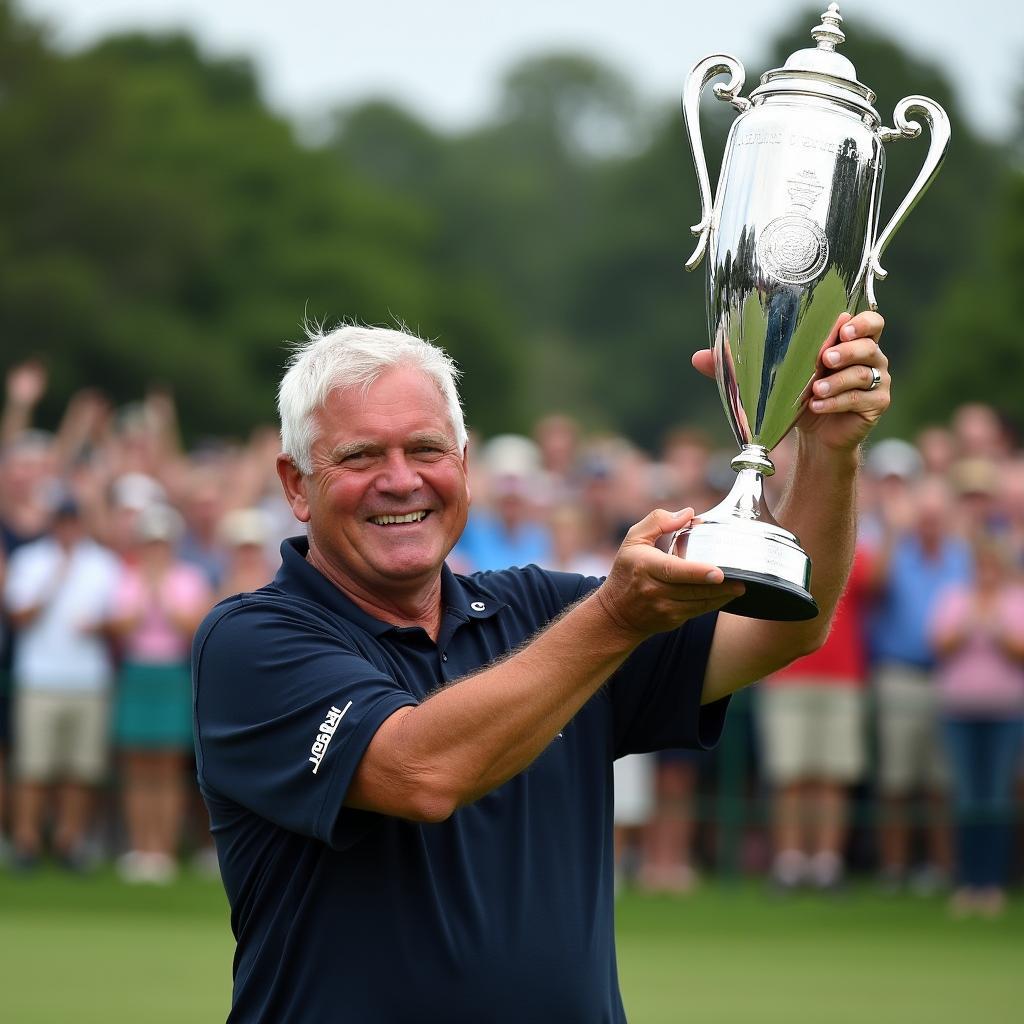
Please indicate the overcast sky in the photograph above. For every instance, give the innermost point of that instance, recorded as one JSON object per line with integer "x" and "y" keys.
{"x": 444, "y": 58}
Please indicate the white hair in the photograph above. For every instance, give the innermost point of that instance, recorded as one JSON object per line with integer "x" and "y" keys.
{"x": 352, "y": 356}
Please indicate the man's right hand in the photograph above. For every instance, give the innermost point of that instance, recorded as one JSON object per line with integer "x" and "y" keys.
{"x": 649, "y": 591}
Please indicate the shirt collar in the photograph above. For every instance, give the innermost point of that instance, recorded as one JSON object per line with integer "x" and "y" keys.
{"x": 464, "y": 598}
{"x": 460, "y": 596}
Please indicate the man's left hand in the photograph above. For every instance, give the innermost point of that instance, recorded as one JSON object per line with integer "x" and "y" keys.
{"x": 843, "y": 406}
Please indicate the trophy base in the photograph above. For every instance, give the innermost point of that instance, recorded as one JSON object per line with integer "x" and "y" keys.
{"x": 768, "y": 597}
{"x": 744, "y": 541}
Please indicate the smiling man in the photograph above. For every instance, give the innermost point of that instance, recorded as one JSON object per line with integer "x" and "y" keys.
{"x": 409, "y": 772}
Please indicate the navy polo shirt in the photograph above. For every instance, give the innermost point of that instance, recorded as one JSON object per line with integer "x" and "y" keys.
{"x": 502, "y": 913}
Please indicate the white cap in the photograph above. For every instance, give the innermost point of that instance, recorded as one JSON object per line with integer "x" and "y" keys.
{"x": 893, "y": 457}
{"x": 159, "y": 522}
{"x": 137, "y": 491}
{"x": 245, "y": 526}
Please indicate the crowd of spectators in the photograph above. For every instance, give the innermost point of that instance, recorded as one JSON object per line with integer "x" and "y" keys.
{"x": 116, "y": 539}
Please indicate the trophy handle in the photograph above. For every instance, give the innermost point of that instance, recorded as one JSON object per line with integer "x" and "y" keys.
{"x": 938, "y": 127}
{"x": 702, "y": 73}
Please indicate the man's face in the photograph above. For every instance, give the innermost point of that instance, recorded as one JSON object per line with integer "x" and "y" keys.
{"x": 390, "y": 452}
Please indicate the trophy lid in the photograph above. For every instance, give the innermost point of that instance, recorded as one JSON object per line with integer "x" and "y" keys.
{"x": 821, "y": 71}
{"x": 824, "y": 58}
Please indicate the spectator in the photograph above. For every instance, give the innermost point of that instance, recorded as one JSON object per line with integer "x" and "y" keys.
{"x": 978, "y": 632}
{"x": 686, "y": 452}
{"x": 574, "y": 548}
{"x": 615, "y": 480}
{"x": 244, "y": 533}
{"x": 26, "y": 485}
{"x": 812, "y": 721}
{"x": 511, "y": 531}
{"x": 634, "y": 792}
{"x": 980, "y": 433}
{"x": 938, "y": 449}
{"x": 975, "y": 481}
{"x": 669, "y": 862}
{"x": 58, "y": 594}
{"x": 1011, "y": 506}
{"x": 128, "y": 495}
{"x": 157, "y": 605}
{"x": 204, "y": 505}
{"x": 558, "y": 440}
{"x": 892, "y": 468}
{"x": 917, "y": 557}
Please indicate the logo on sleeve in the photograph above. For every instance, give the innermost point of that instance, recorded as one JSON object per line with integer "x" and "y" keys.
{"x": 328, "y": 727}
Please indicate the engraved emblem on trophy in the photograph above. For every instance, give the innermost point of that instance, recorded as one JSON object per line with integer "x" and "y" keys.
{"x": 792, "y": 240}
{"x": 792, "y": 248}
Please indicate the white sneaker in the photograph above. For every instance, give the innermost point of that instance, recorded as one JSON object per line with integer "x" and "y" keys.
{"x": 159, "y": 868}
{"x": 789, "y": 869}
{"x": 826, "y": 870}
{"x": 131, "y": 867}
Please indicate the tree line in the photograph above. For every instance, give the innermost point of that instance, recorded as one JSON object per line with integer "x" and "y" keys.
{"x": 159, "y": 224}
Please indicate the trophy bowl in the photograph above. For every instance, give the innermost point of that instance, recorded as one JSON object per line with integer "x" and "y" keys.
{"x": 792, "y": 242}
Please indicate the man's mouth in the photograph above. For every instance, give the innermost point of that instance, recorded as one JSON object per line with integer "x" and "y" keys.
{"x": 409, "y": 517}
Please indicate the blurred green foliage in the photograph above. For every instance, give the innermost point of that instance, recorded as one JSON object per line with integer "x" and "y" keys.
{"x": 160, "y": 225}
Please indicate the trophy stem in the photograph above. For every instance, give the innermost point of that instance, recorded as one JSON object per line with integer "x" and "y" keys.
{"x": 754, "y": 456}
{"x": 742, "y": 537}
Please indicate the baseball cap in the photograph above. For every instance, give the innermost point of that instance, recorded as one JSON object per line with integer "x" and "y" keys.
{"x": 243, "y": 526}
{"x": 159, "y": 522}
{"x": 974, "y": 475}
{"x": 893, "y": 457}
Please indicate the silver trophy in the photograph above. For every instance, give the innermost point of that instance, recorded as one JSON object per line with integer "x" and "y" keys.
{"x": 793, "y": 240}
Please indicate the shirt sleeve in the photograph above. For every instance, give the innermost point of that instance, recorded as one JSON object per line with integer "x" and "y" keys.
{"x": 283, "y": 714}
{"x": 27, "y": 577}
{"x": 656, "y": 694}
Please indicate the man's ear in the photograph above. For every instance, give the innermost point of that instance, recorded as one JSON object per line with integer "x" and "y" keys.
{"x": 465, "y": 473}
{"x": 294, "y": 484}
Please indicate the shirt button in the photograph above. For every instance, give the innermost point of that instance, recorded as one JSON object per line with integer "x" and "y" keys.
{"x": 477, "y": 606}
{"x": 444, "y": 657}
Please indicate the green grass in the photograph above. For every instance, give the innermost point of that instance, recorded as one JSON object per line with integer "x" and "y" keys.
{"x": 732, "y": 954}
{"x": 92, "y": 951}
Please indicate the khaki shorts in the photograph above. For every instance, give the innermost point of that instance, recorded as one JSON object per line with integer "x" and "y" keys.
{"x": 812, "y": 730}
{"x": 60, "y": 736}
{"x": 634, "y": 789}
{"x": 910, "y": 753}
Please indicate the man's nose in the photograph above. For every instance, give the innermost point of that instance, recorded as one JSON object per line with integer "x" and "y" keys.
{"x": 398, "y": 475}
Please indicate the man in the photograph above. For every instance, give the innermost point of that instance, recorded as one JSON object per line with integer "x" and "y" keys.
{"x": 919, "y": 554}
{"x": 58, "y": 594}
{"x": 409, "y": 773}
{"x": 812, "y": 719}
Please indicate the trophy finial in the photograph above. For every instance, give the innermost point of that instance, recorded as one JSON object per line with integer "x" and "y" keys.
{"x": 828, "y": 35}
{"x": 824, "y": 59}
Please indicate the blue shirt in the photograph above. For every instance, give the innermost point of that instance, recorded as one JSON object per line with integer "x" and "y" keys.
{"x": 900, "y": 624}
{"x": 502, "y": 913}
{"x": 487, "y": 544}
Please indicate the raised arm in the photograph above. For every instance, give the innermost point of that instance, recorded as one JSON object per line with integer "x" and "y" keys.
{"x": 819, "y": 506}
{"x": 25, "y": 385}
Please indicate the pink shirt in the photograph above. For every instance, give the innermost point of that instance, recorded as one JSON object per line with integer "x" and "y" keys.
{"x": 156, "y": 640}
{"x": 980, "y": 677}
